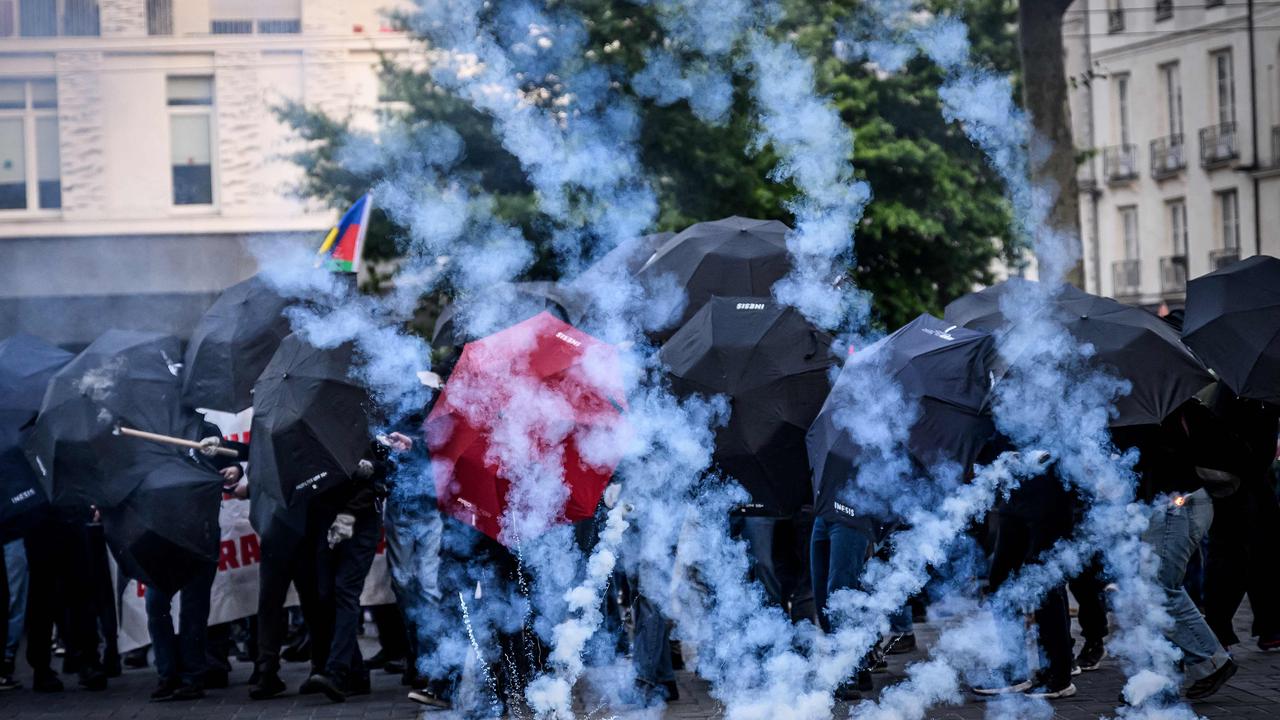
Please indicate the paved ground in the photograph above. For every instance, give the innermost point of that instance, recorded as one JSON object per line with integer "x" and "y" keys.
{"x": 1253, "y": 693}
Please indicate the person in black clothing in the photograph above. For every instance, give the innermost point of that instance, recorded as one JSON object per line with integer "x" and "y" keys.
{"x": 343, "y": 536}
{"x": 284, "y": 562}
{"x": 1089, "y": 590}
{"x": 1245, "y": 535}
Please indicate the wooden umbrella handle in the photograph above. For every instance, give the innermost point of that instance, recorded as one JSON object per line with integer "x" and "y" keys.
{"x": 169, "y": 439}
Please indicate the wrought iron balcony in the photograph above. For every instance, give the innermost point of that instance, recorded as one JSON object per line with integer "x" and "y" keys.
{"x": 1126, "y": 278}
{"x": 1167, "y": 156}
{"x": 1218, "y": 144}
{"x": 1223, "y": 257}
{"x": 1120, "y": 163}
{"x": 1115, "y": 20}
{"x": 1173, "y": 274}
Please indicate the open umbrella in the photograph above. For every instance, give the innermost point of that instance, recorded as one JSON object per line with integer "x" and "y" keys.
{"x": 732, "y": 257}
{"x": 773, "y": 366}
{"x": 310, "y": 420}
{"x": 943, "y": 370}
{"x": 1232, "y": 321}
{"x": 539, "y": 398}
{"x": 124, "y": 377}
{"x": 232, "y": 344}
{"x": 520, "y": 300}
{"x": 626, "y": 257}
{"x": 26, "y": 365}
{"x": 1129, "y": 342}
{"x": 168, "y": 525}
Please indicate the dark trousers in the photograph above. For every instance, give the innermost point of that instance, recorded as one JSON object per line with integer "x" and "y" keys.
{"x": 1243, "y": 542}
{"x": 282, "y": 563}
{"x": 181, "y": 656}
{"x": 6, "y": 667}
{"x": 1089, "y": 590}
{"x": 392, "y": 633}
{"x": 780, "y": 560}
{"x": 59, "y": 592}
{"x": 102, "y": 589}
{"x": 651, "y": 653}
{"x": 1018, "y": 542}
{"x": 340, "y": 572}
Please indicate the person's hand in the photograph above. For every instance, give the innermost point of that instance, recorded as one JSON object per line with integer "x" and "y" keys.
{"x": 231, "y": 473}
{"x": 209, "y": 446}
{"x": 611, "y": 494}
{"x": 364, "y": 470}
{"x": 241, "y": 491}
{"x": 400, "y": 442}
{"x": 343, "y": 528}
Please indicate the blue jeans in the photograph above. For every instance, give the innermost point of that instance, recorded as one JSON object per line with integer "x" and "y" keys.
{"x": 15, "y": 559}
{"x": 182, "y": 656}
{"x": 838, "y": 552}
{"x": 652, "y": 644}
{"x": 1174, "y": 534}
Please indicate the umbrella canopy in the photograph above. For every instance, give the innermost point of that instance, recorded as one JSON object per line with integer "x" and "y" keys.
{"x": 1233, "y": 323}
{"x": 732, "y": 257}
{"x": 520, "y": 300}
{"x": 232, "y": 344}
{"x": 773, "y": 366}
{"x": 124, "y": 377}
{"x": 943, "y": 370}
{"x": 22, "y": 500}
{"x": 310, "y": 420}
{"x": 168, "y": 525}
{"x": 626, "y": 257}
{"x": 26, "y": 365}
{"x": 1127, "y": 341}
{"x": 541, "y": 399}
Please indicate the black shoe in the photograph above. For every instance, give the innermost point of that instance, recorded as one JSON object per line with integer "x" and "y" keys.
{"x": 378, "y": 661}
{"x": 187, "y": 691}
{"x": 164, "y": 690}
{"x": 135, "y": 659}
{"x": 395, "y": 666}
{"x": 46, "y": 682}
{"x": 661, "y": 692}
{"x": 328, "y": 686}
{"x": 865, "y": 684}
{"x": 672, "y": 690}
{"x": 8, "y": 683}
{"x": 901, "y": 644}
{"x": 1207, "y": 686}
{"x": 848, "y": 692}
{"x": 1046, "y": 687}
{"x": 111, "y": 664}
{"x": 358, "y": 685}
{"x": 308, "y": 687}
{"x": 999, "y": 688}
{"x": 217, "y": 679}
{"x": 424, "y": 696}
{"x": 1091, "y": 655}
{"x": 268, "y": 686}
{"x": 93, "y": 679}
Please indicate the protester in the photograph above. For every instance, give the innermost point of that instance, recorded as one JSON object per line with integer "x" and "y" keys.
{"x": 15, "y": 560}
{"x": 842, "y": 544}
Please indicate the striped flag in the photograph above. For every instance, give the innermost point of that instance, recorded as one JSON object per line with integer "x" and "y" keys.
{"x": 343, "y": 246}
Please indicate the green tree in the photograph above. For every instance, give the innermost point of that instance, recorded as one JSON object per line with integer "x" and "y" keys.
{"x": 932, "y": 231}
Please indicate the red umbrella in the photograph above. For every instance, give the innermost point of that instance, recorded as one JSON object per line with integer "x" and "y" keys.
{"x": 528, "y": 427}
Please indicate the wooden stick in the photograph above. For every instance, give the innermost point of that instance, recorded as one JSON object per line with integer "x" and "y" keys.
{"x": 169, "y": 439}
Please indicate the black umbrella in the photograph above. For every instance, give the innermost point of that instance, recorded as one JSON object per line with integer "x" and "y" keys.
{"x": 124, "y": 378}
{"x": 310, "y": 420}
{"x": 773, "y": 365}
{"x": 168, "y": 525}
{"x": 944, "y": 371}
{"x": 626, "y": 257}
{"x": 26, "y": 365}
{"x": 232, "y": 344}
{"x": 1127, "y": 341}
{"x": 519, "y": 301}
{"x": 1233, "y": 323}
{"x": 731, "y": 257}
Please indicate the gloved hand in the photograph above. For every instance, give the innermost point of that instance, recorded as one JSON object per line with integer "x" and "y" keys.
{"x": 209, "y": 446}
{"x": 364, "y": 470}
{"x": 611, "y": 494}
{"x": 343, "y": 528}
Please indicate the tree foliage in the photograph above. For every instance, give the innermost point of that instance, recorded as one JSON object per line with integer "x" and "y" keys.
{"x": 932, "y": 231}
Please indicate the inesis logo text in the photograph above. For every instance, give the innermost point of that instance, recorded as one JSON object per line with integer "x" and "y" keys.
{"x": 750, "y": 306}
{"x": 571, "y": 341}
{"x": 29, "y": 492}
{"x": 944, "y": 334}
{"x": 845, "y": 509}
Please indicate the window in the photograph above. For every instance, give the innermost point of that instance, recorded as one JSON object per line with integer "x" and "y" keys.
{"x": 159, "y": 17}
{"x": 1171, "y": 82}
{"x": 1115, "y": 16}
{"x": 48, "y": 18}
{"x": 1122, "y": 107}
{"x": 1224, "y": 86}
{"x": 1229, "y": 215}
{"x": 1177, "y": 210}
{"x": 1129, "y": 231}
{"x": 191, "y": 139}
{"x": 242, "y": 17}
{"x": 30, "y": 167}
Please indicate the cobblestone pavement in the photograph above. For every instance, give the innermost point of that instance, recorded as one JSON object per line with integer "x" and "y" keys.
{"x": 1253, "y": 693}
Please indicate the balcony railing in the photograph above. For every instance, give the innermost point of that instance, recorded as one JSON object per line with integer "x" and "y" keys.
{"x": 1218, "y": 144}
{"x": 1223, "y": 257}
{"x": 1164, "y": 9}
{"x": 1126, "y": 278}
{"x": 1120, "y": 163}
{"x": 1173, "y": 274}
{"x": 1167, "y": 156}
{"x": 1115, "y": 20}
